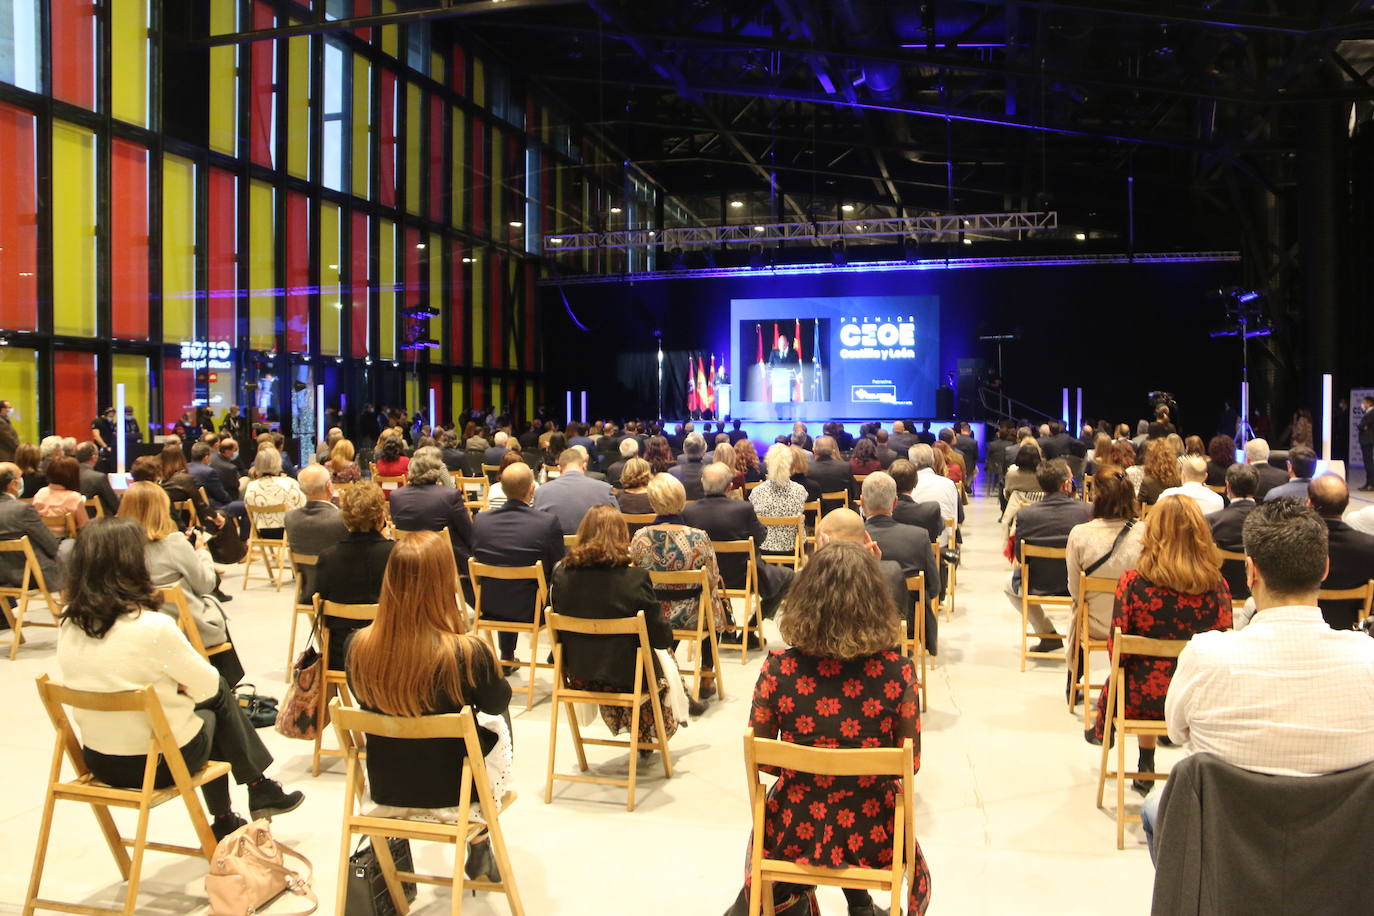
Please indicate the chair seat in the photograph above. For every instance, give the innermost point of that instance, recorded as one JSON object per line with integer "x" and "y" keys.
{"x": 87, "y": 788}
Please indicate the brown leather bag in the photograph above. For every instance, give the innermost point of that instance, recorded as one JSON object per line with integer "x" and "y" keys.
{"x": 300, "y": 710}
{"x": 246, "y": 873}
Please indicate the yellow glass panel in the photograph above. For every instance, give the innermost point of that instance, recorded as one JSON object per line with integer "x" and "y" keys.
{"x": 331, "y": 290}
{"x": 457, "y": 393}
{"x": 438, "y": 68}
{"x": 391, "y": 35}
{"x": 414, "y": 123}
{"x": 479, "y": 82}
{"x": 499, "y": 229}
{"x": 361, "y": 119}
{"x": 129, "y": 59}
{"x": 262, "y": 267}
{"x": 529, "y": 401}
{"x": 438, "y": 327}
{"x": 477, "y": 309}
{"x": 131, "y": 371}
{"x": 223, "y": 80}
{"x": 298, "y": 107}
{"x": 19, "y": 381}
{"x": 386, "y": 281}
{"x": 459, "y": 177}
{"x": 178, "y": 249}
{"x": 73, "y": 230}
{"x": 413, "y": 396}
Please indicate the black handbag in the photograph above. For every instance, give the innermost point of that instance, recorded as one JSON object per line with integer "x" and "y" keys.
{"x": 367, "y": 894}
{"x": 261, "y": 710}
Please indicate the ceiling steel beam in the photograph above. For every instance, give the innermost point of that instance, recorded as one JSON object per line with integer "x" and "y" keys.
{"x": 446, "y": 9}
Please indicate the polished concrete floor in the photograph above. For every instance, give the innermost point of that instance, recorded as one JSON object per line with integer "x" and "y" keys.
{"x": 1006, "y": 792}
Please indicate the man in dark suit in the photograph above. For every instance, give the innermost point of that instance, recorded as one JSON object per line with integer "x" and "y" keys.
{"x": 94, "y": 483}
{"x": 925, "y": 436}
{"x": 9, "y": 438}
{"x": 225, "y": 463}
{"x": 968, "y": 446}
{"x": 884, "y": 452}
{"x": 689, "y": 469}
{"x": 845, "y": 525}
{"x": 206, "y": 477}
{"x": 315, "y": 527}
{"x": 1302, "y": 464}
{"x": 451, "y": 450}
{"x": 801, "y": 438}
{"x": 577, "y": 435}
{"x": 1046, "y": 524}
{"x": 1228, "y": 524}
{"x": 828, "y": 470}
{"x": 737, "y": 434}
{"x": 569, "y": 495}
{"x": 924, "y": 515}
{"x": 1269, "y": 477}
{"x": 726, "y": 519}
{"x": 497, "y": 451}
{"x": 1057, "y": 444}
{"x": 19, "y": 519}
{"x": 783, "y": 356}
{"x": 516, "y": 534}
{"x": 844, "y": 441}
{"x": 901, "y": 439}
{"x": 1367, "y": 441}
{"x": 906, "y": 544}
{"x": 1350, "y": 552}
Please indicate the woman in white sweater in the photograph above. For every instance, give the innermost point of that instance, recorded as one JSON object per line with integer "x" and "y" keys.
{"x": 107, "y": 643}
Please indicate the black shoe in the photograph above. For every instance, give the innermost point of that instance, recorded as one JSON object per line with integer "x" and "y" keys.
{"x": 707, "y": 691}
{"x": 867, "y": 909}
{"x": 1048, "y": 645}
{"x": 267, "y": 799}
{"x": 481, "y": 862}
{"x": 509, "y": 666}
{"x": 226, "y": 824}
{"x": 221, "y": 596}
{"x": 731, "y": 638}
{"x": 696, "y": 707}
{"x": 645, "y": 754}
{"x": 1143, "y": 786}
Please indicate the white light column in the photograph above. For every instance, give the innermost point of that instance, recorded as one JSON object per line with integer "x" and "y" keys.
{"x": 1078, "y": 417}
{"x": 319, "y": 414}
{"x": 1328, "y": 417}
{"x": 121, "y": 431}
{"x": 1065, "y": 414}
{"x": 433, "y": 414}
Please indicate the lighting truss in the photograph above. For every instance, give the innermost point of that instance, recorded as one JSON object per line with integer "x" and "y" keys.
{"x": 925, "y": 228}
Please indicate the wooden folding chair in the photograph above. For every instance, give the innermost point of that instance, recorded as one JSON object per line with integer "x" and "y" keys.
{"x": 811, "y": 514}
{"x": 492, "y": 625}
{"x": 1089, "y": 492}
{"x": 1216, "y": 488}
{"x": 94, "y": 507}
{"x": 794, "y": 522}
{"x": 468, "y": 486}
{"x": 895, "y": 762}
{"x": 569, "y": 541}
{"x": 389, "y": 483}
{"x": 1363, "y": 593}
{"x": 86, "y": 788}
{"x": 32, "y": 581}
{"x": 303, "y": 605}
{"x": 173, "y": 595}
{"x": 1062, "y": 602}
{"x": 705, "y": 632}
{"x": 645, "y": 685}
{"x": 1085, "y": 645}
{"x": 61, "y": 526}
{"x": 189, "y": 507}
{"x": 271, "y": 550}
{"x": 749, "y": 594}
{"x": 635, "y": 521}
{"x": 352, "y": 726}
{"x": 915, "y": 646}
{"x": 1123, "y": 646}
{"x": 491, "y": 471}
{"x": 335, "y": 681}
{"x": 749, "y": 486}
{"x": 838, "y": 496}
{"x": 949, "y": 570}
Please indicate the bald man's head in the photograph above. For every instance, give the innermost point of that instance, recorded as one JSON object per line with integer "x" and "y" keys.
{"x": 1329, "y": 495}
{"x": 10, "y": 475}
{"x": 517, "y": 481}
{"x": 841, "y": 525}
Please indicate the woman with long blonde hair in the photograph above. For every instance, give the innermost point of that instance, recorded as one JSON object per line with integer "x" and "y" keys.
{"x": 416, "y": 659}
{"x": 342, "y": 467}
{"x": 1160, "y": 470}
{"x": 1175, "y": 590}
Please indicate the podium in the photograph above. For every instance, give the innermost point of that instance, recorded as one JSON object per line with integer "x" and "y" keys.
{"x": 780, "y": 385}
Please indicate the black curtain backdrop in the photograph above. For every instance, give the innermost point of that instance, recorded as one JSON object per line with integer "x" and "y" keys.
{"x": 1116, "y": 330}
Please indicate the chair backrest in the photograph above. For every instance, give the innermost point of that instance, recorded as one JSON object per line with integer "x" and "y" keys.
{"x": 698, "y": 578}
{"x": 61, "y": 526}
{"x": 1124, "y": 644}
{"x": 916, "y": 586}
{"x": 173, "y": 595}
{"x": 1362, "y": 593}
{"x": 299, "y": 560}
{"x": 1216, "y": 488}
{"x": 352, "y": 724}
{"x": 734, "y": 557}
{"x": 255, "y": 511}
{"x": 827, "y": 761}
{"x": 33, "y": 573}
{"x": 750, "y": 484}
{"x": 620, "y": 627}
{"x": 535, "y": 573}
{"x": 1092, "y": 585}
{"x": 786, "y": 521}
{"x": 1049, "y": 576}
{"x": 633, "y": 518}
{"x": 189, "y": 507}
{"x": 569, "y": 541}
{"x": 94, "y": 507}
{"x": 389, "y": 483}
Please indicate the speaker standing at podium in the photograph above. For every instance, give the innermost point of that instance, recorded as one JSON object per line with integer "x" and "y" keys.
{"x": 783, "y": 368}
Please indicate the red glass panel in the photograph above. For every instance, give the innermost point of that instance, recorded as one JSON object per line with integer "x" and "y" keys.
{"x": 178, "y": 390}
{"x": 74, "y": 376}
{"x": 436, "y": 159}
{"x": 477, "y": 394}
{"x": 297, "y": 273}
{"x": 411, "y": 292}
{"x": 479, "y": 177}
{"x": 457, "y": 305}
{"x": 128, "y": 240}
{"x": 263, "y": 109}
{"x": 357, "y": 284}
{"x": 362, "y": 8}
{"x": 386, "y": 138}
{"x": 496, "y": 299}
{"x": 222, "y": 265}
{"x": 18, "y": 221}
{"x": 73, "y": 51}
{"x": 527, "y": 295}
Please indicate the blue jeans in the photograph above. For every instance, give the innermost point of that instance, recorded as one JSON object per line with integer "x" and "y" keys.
{"x": 1149, "y": 813}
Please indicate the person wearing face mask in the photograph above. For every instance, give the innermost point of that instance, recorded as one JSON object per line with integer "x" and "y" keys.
{"x": 18, "y": 519}
{"x": 9, "y": 438}
{"x": 225, "y": 463}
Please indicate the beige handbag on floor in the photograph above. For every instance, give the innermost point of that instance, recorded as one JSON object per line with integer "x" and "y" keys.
{"x": 247, "y": 873}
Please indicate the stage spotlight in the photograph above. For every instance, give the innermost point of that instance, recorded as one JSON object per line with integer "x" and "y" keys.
{"x": 847, "y": 208}
{"x": 615, "y": 209}
{"x": 1081, "y": 236}
{"x": 736, "y": 204}
{"x": 837, "y": 255}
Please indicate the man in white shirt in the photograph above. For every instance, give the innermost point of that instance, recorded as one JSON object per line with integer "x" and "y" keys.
{"x": 1362, "y": 520}
{"x": 1193, "y": 470}
{"x": 1288, "y": 695}
{"x": 931, "y": 487}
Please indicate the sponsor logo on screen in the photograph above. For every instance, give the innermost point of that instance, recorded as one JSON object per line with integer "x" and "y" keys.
{"x": 873, "y": 394}
{"x": 864, "y": 338}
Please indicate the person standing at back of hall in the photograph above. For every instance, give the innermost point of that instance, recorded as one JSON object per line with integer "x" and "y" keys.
{"x": 1367, "y": 441}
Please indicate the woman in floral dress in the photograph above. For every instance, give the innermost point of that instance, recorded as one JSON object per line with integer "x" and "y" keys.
{"x": 1175, "y": 590}
{"x": 842, "y": 684}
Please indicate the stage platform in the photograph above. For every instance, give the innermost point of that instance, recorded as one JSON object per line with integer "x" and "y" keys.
{"x": 764, "y": 432}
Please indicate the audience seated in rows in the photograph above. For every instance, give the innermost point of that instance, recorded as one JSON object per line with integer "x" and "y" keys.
{"x": 1175, "y": 590}
{"x": 926, "y": 515}
{"x": 779, "y": 496}
{"x": 20, "y": 519}
{"x": 496, "y": 494}
{"x": 317, "y": 525}
{"x": 416, "y": 659}
{"x": 516, "y": 534}
{"x": 671, "y": 545}
{"x": 1287, "y": 695}
{"x": 429, "y": 502}
{"x": 1193, "y": 472}
{"x": 111, "y": 639}
{"x": 907, "y": 545}
{"x": 1351, "y": 552}
{"x": 1227, "y": 525}
{"x": 62, "y": 496}
{"x": 569, "y": 496}
{"x": 94, "y": 484}
{"x": 272, "y": 487}
{"x": 351, "y": 571}
{"x": 599, "y": 580}
{"x": 1106, "y": 547}
{"x": 932, "y": 487}
{"x": 1046, "y": 523}
{"x": 843, "y": 684}
{"x": 1302, "y": 465}
{"x": 829, "y": 472}
{"x": 689, "y": 467}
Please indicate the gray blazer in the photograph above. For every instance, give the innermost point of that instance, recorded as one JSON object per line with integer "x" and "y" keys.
{"x": 173, "y": 561}
{"x": 311, "y": 529}
{"x": 16, "y": 520}
{"x": 569, "y": 496}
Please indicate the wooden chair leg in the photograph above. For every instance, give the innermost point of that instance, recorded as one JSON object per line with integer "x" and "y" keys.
{"x": 345, "y": 850}
{"x": 1074, "y": 684}
{"x": 634, "y": 758}
{"x": 534, "y": 665}
{"x": 291, "y": 646}
{"x": 1087, "y": 683}
{"x": 660, "y": 726}
{"x": 382, "y": 850}
{"x": 1025, "y": 628}
{"x": 503, "y": 866}
{"x": 40, "y": 855}
{"x": 1106, "y": 740}
{"x": 16, "y": 622}
{"x": 577, "y": 736}
{"x": 1120, "y": 791}
{"x": 136, "y": 860}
